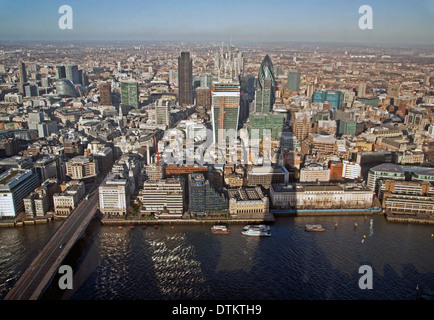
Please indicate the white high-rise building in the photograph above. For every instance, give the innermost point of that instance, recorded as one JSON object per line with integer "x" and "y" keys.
{"x": 114, "y": 197}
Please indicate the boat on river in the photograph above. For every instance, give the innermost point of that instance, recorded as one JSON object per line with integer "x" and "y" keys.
{"x": 257, "y": 230}
{"x": 219, "y": 229}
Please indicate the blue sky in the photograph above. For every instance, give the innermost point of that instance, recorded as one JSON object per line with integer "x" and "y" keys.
{"x": 394, "y": 21}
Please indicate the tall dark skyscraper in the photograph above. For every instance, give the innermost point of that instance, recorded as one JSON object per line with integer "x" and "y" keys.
{"x": 185, "y": 79}
{"x": 22, "y": 71}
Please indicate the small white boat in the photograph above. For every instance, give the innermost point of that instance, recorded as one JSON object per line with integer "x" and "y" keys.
{"x": 257, "y": 231}
{"x": 314, "y": 227}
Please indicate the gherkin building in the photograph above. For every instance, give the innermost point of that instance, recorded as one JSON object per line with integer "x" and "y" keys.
{"x": 266, "y": 87}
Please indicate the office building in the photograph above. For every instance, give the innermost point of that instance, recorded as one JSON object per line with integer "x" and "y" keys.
{"x": 336, "y": 170}
{"x": 204, "y": 199}
{"x": 71, "y": 72}
{"x": 323, "y": 145}
{"x": 266, "y": 175}
{"x": 15, "y": 185}
{"x": 301, "y": 125}
{"x": 114, "y": 197}
{"x": 274, "y": 123}
{"x": 22, "y": 72}
{"x": 82, "y": 167}
{"x": 47, "y": 167}
{"x": 130, "y": 93}
{"x": 205, "y": 81}
{"x": 34, "y": 118}
{"x": 36, "y": 204}
{"x": 225, "y": 104}
{"x": 335, "y": 97}
{"x": 293, "y": 83}
{"x": 105, "y": 93}
{"x": 185, "y": 79}
{"x": 314, "y": 173}
{"x": 65, "y": 88}
{"x": 417, "y": 118}
{"x": 384, "y": 171}
{"x": 60, "y": 72}
{"x": 69, "y": 197}
{"x": 163, "y": 198}
{"x": 162, "y": 112}
{"x": 203, "y": 97}
{"x": 46, "y": 128}
{"x": 266, "y": 87}
{"x": 407, "y": 197}
{"x": 351, "y": 170}
{"x": 346, "y": 127}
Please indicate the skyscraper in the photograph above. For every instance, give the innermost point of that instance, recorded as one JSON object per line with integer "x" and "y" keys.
{"x": 162, "y": 112}
{"x": 293, "y": 80}
{"x": 22, "y": 72}
{"x": 266, "y": 87}
{"x": 185, "y": 79}
{"x": 71, "y": 71}
{"x": 105, "y": 93}
{"x": 225, "y": 106}
{"x": 60, "y": 72}
{"x": 130, "y": 93}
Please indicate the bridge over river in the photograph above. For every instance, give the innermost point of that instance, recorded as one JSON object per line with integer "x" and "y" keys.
{"x": 39, "y": 274}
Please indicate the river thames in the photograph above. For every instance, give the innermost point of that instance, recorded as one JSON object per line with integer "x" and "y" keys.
{"x": 189, "y": 262}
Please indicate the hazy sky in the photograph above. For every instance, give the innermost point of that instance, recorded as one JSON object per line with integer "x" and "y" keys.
{"x": 394, "y": 21}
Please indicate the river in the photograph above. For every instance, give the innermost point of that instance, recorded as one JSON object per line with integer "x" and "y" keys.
{"x": 189, "y": 262}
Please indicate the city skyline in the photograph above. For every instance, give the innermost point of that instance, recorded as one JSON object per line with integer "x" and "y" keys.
{"x": 394, "y": 22}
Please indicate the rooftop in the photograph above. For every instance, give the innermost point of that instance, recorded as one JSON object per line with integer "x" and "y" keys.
{"x": 388, "y": 167}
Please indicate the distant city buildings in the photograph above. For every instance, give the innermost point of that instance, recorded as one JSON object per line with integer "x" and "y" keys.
{"x": 320, "y": 125}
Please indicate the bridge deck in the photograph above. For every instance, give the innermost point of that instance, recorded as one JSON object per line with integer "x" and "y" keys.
{"x": 35, "y": 279}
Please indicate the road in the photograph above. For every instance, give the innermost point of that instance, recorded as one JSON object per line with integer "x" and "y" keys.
{"x": 39, "y": 273}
